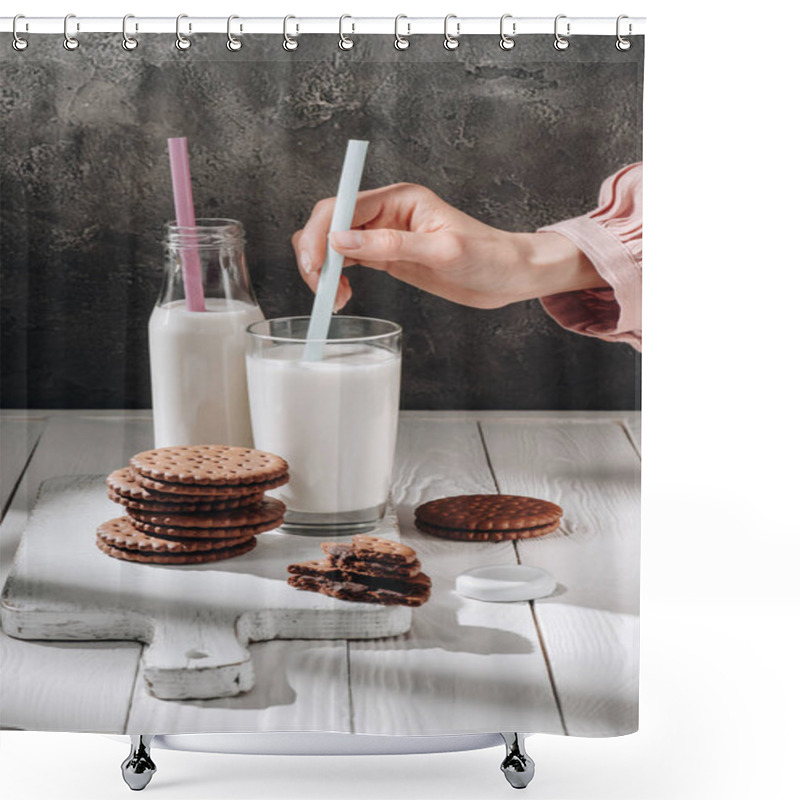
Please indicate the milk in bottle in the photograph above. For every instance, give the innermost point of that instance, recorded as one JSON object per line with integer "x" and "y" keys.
{"x": 197, "y": 358}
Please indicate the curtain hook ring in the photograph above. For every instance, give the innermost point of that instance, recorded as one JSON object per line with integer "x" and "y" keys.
{"x": 181, "y": 42}
{"x": 233, "y": 44}
{"x": 289, "y": 42}
{"x": 70, "y": 42}
{"x": 451, "y": 41}
{"x": 622, "y": 43}
{"x": 401, "y": 42}
{"x": 560, "y": 42}
{"x": 507, "y": 40}
{"x": 128, "y": 42}
{"x": 345, "y": 42}
{"x": 18, "y": 43}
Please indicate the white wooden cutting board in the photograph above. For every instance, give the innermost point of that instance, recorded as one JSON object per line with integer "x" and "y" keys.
{"x": 197, "y": 619}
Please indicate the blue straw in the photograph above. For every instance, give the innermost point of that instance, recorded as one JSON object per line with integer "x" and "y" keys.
{"x": 343, "y": 209}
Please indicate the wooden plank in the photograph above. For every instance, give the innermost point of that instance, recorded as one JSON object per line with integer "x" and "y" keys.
{"x": 592, "y": 471}
{"x": 18, "y": 437}
{"x": 437, "y": 681}
{"x": 589, "y": 627}
{"x": 499, "y": 415}
{"x": 299, "y": 685}
{"x": 198, "y": 620}
{"x": 60, "y": 686}
{"x": 66, "y": 686}
{"x": 633, "y": 425}
{"x": 77, "y": 413}
{"x": 594, "y": 655}
{"x": 465, "y": 666}
{"x": 69, "y": 686}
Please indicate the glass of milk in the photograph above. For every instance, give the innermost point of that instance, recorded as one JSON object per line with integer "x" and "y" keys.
{"x": 197, "y": 358}
{"x": 333, "y": 419}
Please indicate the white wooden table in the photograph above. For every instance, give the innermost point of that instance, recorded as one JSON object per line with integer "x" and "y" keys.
{"x": 566, "y": 664}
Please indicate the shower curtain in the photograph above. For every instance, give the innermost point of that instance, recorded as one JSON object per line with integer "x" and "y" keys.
{"x": 520, "y": 379}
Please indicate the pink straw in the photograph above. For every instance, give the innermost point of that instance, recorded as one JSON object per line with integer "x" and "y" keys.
{"x": 184, "y": 211}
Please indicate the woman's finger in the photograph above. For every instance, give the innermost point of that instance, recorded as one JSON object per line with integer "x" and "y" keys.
{"x": 389, "y": 206}
{"x": 304, "y": 274}
{"x": 348, "y": 262}
{"x": 437, "y": 250}
{"x": 343, "y": 291}
{"x": 343, "y": 294}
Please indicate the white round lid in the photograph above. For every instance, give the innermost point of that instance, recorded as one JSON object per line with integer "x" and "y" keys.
{"x": 505, "y": 583}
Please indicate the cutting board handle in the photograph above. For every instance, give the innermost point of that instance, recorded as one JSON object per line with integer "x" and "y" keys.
{"x": 196, "y": 658}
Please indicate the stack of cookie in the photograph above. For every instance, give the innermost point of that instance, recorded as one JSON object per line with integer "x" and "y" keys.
{"x": 366, "y": 570}
{"x": 187, "y": 505}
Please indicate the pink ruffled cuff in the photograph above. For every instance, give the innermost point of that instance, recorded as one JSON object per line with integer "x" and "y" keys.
{"x": 611, "y": 237}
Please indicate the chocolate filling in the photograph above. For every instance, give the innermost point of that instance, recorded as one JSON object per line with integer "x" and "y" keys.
{"x": 356, "y": 592}
{"x": 411, "y": 586}
{"x": 485, "y": 530}
{"x": 173, "y": 552}
{"x": 346, "y": 552}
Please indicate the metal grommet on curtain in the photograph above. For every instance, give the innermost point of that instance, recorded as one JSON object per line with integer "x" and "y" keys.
{"x": 560, "y": 42}
{"x": 507, "y": 40}
{"x": 70, "y": 42}
{"x": 18, "y": 43}
{"x": 128, "y": 42}
{"x": 289, "y": 42}
{"x": 181, "y": 42}
{"x": 345, "y": 42}
{"x": 233, "y": 44}
{"x": 622, "y": 43}
{"x": 401, "y": 42}
{"x": 450, "y": 41}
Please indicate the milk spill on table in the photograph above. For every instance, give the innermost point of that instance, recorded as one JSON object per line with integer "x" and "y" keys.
{"x": 333, "y": 420}
{"x": 197, "y": 368}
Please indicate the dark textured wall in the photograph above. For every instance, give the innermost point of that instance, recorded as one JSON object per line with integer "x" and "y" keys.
{"x": 517, "y": 139}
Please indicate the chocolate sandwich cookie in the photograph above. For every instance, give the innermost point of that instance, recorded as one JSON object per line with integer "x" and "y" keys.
{"x": 209, "y": 465}
{"x": 367, "y": 569}
{"x": 370, "y": 555}
{"x": 188, "y": 492}
{"x": 353, "y": 592}
{"x": 267, "y": 511}
{"x": 488, "y": 517}
{"x": 119, "y": 539}
{"x": 192, "y": 507}
{"x": 174, "y": 532}
{"x": 124, "y": 488}
{"x": 319, "y": 576}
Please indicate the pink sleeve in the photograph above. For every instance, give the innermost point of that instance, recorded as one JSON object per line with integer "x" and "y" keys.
{"x": 611, "y": 237}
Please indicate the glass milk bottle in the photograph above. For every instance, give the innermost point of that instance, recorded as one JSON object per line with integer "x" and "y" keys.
{"x": 197, "y": 357}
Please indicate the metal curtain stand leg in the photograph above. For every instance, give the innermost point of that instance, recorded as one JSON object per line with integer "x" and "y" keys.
{"x": 517, "y": 766}
{"x": 138, "y": 768}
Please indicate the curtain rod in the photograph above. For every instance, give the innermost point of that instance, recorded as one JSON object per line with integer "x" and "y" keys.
{"x": 350, "y": 25}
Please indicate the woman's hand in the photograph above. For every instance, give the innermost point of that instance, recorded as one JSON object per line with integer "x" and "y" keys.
{"x": 415, "y": 236}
